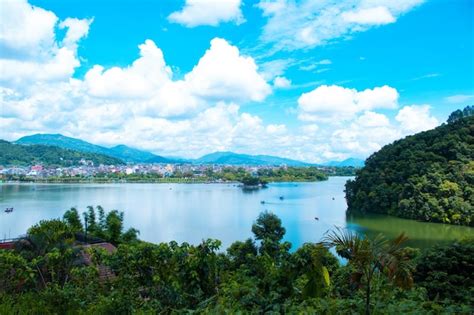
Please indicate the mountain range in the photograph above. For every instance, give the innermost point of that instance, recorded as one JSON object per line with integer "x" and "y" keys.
{"x": 122, "y": 152}
{"x": 132, "y": 155}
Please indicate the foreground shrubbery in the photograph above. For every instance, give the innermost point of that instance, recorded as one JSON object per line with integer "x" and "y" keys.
{"x": 44, "y": 274}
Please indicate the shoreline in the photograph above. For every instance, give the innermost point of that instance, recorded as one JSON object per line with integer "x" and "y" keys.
{"x": 167, "y": 181}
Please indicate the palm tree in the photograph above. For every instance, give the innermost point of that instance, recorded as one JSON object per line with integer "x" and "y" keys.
{"x": 372, "y": 257}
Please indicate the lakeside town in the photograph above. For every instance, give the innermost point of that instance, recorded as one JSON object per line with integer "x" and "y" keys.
{"x": 87, "y": 170}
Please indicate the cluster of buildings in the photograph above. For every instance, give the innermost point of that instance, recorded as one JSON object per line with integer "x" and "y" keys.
{"x": 89, "y": 170}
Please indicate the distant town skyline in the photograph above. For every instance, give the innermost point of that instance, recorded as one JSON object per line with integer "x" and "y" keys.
{"x": 308, "y": 80}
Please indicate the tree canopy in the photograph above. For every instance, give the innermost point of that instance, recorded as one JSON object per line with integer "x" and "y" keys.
{"x": 428, "y": 176}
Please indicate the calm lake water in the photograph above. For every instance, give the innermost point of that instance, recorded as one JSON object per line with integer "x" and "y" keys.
{"x": 192, "y": 212}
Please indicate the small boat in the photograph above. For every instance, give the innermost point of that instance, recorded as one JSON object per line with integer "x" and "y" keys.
{"x": 262, "y": 202}
{"x": 281, "y": 198}
{"x": 316, "y": 218}
{"x": 9, "y": 210}
{"x": 332, "y": 198}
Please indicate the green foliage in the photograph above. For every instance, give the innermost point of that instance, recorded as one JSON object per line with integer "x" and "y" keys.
{"x": 427, "y": 177}
{"x": 15, "y": 273}
{"x": 371, "y": 258}
{"x": 45, "y": 275}
{"x": 447, "y": 272}
{"x": 295, "y": 174}
{"x": 459, "y": 114}
{"x": 24, "y": 155}
{"x": 73, "y": 220}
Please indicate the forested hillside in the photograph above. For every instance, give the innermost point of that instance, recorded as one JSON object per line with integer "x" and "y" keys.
{"x": 428, "y": 176}
{"x": 21, "y": 155}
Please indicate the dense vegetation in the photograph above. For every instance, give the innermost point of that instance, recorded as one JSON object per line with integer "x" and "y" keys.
{"x": 459, "y": 114}
{"x": 24, "y": 155}
{"x": 428, "y": 176}
{"x": 227, "y": 174}
{"x": 46, "y": 273}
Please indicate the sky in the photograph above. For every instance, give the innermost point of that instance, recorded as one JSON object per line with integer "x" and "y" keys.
{"x": 313, "y": 80}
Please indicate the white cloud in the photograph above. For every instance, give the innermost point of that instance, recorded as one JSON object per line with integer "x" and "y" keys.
{"x": 144, "y": 106}
{"x": 208, "y": 12}
{"x": 308, "y": 23}
{"x": 30, "y": 51}
{"x": 459, "y": 98}
{"x": 373, "y": 119}
{"x": 76, "y": 29}
{"x": 140, "y": 80}
{"x": 337, "y": 103}
{"x": 222, "y": 74}
{"x": 376, "y": 16}
{"x": 26, "y": 30}
{"x": 315, "y": 65}
{"x": 416, "y": 118}
{"x": 281, "y": 82}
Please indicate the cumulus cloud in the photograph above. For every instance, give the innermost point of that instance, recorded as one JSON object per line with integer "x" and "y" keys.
{"x": 30, "y": 51}
{"x": 143, "y": 105}
{"x": 140, "y": 80}
{"x": 222, "y": 74}
{"x": 76, "y": 29}
{"x": 416, "y": 118}
{"x": 306, "y": 24}
{"x": 208, "y": 12}
{"x": 339, "y": 103}
{"x": 281, "y": 82}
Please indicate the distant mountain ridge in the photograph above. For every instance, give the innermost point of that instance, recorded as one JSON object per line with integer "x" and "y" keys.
{"x": 346, "y": 163}
{"x": 23, "y": 155}
{"x": 132, "y": 155}
{"x": 231, "y": 158}
{"x": 122, "y": 152}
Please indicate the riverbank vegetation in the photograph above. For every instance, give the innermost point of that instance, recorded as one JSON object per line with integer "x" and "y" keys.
{"x": 428, "y": 176}
{"x": 227, "y": 174}
{"x": 53, "y": 270}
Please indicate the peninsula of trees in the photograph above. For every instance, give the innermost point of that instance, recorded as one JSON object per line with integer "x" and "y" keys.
{"x": 428, "y": 176}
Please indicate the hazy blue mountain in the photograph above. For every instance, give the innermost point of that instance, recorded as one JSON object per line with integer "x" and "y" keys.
{"x": 231, "y": 158}
{"x": 122, "y": 152}
{"x": 347, "y": 162}
{"x": 133, "y": 155}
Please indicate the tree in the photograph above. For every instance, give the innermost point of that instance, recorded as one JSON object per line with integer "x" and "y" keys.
{"x": 73, "y": 220}
{"x": 269, "y": 230}
{"x": 447, "y": 271}
{"x": 114, "y": 226}
{"x": 89, "y": 218}
{"x": 372, "y": 257}
{"x": 459, "y": 114}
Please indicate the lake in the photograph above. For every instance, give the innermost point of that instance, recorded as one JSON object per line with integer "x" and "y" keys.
{"x": 192, "y": 212}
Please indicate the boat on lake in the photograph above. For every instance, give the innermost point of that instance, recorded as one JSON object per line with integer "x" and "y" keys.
{"x": 9, "y": 210}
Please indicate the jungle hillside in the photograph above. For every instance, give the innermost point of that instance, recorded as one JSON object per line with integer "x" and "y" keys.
{"x": 428, "y": 176}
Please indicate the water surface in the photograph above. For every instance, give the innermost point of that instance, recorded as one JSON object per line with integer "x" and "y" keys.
{"x": 192, "y": 212}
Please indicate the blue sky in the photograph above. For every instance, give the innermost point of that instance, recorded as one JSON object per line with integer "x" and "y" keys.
{"x": 310, "y": 80}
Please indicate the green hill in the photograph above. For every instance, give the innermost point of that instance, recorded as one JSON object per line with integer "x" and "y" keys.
{"x": 22, "y": 155}
{"x": 121, "y": 152}
{"x": 428, "y": 176}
